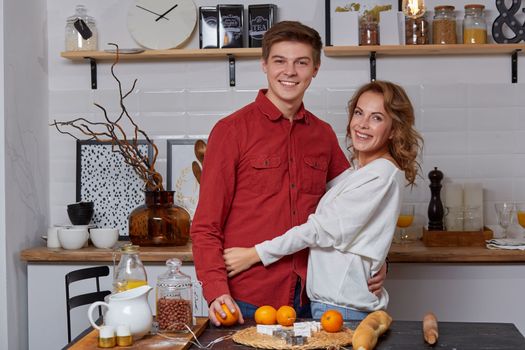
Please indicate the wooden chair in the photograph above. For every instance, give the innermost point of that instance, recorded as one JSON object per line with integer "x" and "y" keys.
{"x": 86, "y": 298}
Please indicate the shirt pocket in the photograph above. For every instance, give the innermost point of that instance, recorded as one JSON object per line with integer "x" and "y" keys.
{"x": 265, "y": 173}
{"x": 314, "y": 175}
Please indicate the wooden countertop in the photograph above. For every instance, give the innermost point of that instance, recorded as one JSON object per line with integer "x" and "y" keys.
{"x": 414, "y": 252}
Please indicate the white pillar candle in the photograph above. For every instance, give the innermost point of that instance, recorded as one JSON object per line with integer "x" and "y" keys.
{"x": 453, "y": 195}
{"x": 473, "y": 197}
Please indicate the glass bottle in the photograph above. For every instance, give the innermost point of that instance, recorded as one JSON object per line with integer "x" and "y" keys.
{"x": 174, "y": 299}
{"x": 444, "y": 25}
{"x": 368, "y": 30}
{"x": 474, "y": 25}
{"x": 130, "y": 272}
{"x": 81, "y": 32}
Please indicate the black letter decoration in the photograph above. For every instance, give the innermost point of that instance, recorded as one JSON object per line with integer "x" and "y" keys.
{"x": 506, "y": 19}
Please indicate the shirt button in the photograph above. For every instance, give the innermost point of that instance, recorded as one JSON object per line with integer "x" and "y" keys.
{"x": 293, "y": 212}
{"x": 291, "y": 160}
{"x": 293, "y": 185}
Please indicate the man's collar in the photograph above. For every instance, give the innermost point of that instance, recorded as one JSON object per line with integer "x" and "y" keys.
{"x": 273, "y": 113}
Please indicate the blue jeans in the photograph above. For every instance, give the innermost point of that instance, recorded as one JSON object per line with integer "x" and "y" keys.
{"x": 319, "y": 308}
{"x": 248, "y": 310}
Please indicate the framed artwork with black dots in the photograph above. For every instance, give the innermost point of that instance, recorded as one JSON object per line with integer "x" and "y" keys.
{"x": 104, "y": 178}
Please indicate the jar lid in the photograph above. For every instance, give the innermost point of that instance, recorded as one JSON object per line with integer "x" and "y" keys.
{"x": 174, "y": 278}
{"x": 444, "y": 8}
{"x": 474, "y": 6}
{"x": 129, "y": 248}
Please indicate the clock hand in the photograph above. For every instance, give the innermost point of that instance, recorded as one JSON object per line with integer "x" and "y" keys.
{"x": 145, "y": 9}
{"x": 165, "y": 13}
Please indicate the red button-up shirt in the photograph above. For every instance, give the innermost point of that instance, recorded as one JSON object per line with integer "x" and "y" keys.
{"x": 262, "y": 175}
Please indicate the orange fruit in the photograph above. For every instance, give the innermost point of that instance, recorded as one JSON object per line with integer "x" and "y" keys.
{"x": 265, "y": 315}
{"x": 231, "y": 318}
{"x": 286, "y": 315}
{"x": 332, "y": 321}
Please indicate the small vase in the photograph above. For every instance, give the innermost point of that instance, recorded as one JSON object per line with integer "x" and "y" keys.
{"x": 159, "y": 222}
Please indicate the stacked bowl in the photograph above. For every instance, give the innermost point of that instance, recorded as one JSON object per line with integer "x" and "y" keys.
{"x": 80, "y": 213}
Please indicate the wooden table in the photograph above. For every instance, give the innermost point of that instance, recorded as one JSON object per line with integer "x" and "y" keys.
{"x": 403, "y": 335}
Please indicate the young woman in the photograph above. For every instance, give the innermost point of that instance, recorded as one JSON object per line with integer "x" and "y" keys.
{"x": 350, "y": 233}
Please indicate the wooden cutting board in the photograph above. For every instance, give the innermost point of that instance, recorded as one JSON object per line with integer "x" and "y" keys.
{"x": 175, "y": 342}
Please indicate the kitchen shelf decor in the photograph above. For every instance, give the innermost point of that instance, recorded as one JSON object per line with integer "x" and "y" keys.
{"x": 158, "y": 221}
{"x": 175, "y": 54}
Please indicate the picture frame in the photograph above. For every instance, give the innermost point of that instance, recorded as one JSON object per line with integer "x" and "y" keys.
{"x": 332, "y": 5}
{"x": 180, "y": 177}
{"x": 103, "y": 177}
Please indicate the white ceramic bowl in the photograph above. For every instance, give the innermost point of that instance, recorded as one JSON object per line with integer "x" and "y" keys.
{"x": 72, "y": 238}
{"x": 104, "y": 237}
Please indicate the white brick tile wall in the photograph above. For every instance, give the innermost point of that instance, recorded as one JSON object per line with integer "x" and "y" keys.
{"x": 491, "y": 142}
{"x": 442, "y": 119}
{"x": 490, "y": 95}
{"x": 164, "y": 101}
{"x": 446, "y": 95}
{"x": 493, "y": 118}
{"x": 448, "y": 143}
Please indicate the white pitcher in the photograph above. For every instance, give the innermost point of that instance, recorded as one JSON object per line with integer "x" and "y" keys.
{"x": 127, "y": 308}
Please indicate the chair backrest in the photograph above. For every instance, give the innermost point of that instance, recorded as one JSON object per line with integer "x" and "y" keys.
{"x": 87, "y": 298}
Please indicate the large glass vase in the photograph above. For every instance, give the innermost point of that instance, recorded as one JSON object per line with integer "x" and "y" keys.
{"x": 159, "y": 222}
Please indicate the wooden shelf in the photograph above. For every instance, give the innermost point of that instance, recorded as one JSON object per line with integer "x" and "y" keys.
{"x": 423, "y": 50}
{"x": 165, "y": 54}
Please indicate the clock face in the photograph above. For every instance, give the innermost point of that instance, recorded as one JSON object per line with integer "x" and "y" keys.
{"x": 161, "y": 24}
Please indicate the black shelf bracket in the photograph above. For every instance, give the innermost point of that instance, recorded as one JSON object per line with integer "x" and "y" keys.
{"x": 372, "y": 65}
{"x": 231, "y": 66}
{"x": 93, "y": 68}
{"x": 514, "y": 66}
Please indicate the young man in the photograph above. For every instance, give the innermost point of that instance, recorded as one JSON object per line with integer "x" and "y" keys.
{"x": 266, "y": 168}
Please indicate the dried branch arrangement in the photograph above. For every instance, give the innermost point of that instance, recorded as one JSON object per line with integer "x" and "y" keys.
{"x": 113, "y": 132}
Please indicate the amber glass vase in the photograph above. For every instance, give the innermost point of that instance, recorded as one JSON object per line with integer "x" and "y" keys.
{"x": 159, "y": 222}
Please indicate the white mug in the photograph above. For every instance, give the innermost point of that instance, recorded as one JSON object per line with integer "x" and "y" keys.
{"x": 52, "y": 238}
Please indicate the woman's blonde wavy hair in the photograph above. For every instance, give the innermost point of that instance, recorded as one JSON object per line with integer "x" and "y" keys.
{"x": 406, "y": 142}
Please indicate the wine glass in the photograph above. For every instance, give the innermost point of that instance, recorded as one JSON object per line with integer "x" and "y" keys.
{"x": 405, "y": 219}
{"x": 505, "y": 212}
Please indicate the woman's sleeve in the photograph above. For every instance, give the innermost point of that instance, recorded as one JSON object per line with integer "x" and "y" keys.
{"x": 337, "y": 224}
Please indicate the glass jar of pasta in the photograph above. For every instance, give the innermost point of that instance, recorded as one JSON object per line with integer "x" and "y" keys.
{"x": 474, "y": 25}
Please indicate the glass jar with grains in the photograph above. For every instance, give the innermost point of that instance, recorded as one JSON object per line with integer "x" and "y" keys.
{"x": 474, "y": 25}
{"x": 368, "y": 30}
{"x": 444, "y": 25}
{"x": 174, "y": 299}
{"x": 81, "y": 33}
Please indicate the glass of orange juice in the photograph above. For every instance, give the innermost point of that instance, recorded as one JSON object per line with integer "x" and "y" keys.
{"x": 520, "y": 209}
{"x": 405, "y": 219}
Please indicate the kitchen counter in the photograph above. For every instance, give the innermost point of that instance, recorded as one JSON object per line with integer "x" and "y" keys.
{"x": 414, "y": 252}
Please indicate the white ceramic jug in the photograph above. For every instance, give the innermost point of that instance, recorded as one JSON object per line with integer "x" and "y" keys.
{"x": 127, "y": 308}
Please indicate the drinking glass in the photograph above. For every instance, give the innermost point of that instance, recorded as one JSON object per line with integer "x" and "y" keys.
{"x": 405, "y": 219}
{"x": 505, "y": 212}
{"x": 520, "y": 208}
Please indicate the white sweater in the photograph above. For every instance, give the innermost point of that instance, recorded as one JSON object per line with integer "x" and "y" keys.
{"x": 349, "y": 236}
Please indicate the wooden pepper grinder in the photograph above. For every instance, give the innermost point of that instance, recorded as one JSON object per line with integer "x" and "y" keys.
{"x": 435, "y": 207}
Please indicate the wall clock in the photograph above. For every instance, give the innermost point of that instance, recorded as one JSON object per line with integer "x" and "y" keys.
{"x": 161, "y": 24}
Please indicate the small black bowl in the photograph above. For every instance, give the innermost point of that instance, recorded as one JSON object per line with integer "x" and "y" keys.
{"x": 80, "y": 215}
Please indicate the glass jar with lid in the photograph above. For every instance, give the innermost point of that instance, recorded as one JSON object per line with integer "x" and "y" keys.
{"x": 474, "y": 25}
{"x": 368, "y": 30}
{"x": 81, "y": 32}
{"x": 174, "y": 299}
{"x": 130, "y": 272}
{"x": 444, "y": 25}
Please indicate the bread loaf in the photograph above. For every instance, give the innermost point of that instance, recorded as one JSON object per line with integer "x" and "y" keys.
{"x": 370, "y": 329}
{"x": 430, "y": 328}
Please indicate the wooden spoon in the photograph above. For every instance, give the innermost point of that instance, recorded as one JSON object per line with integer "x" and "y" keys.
{"x": 200, "y": 149}
{"x": 195, "y": 167}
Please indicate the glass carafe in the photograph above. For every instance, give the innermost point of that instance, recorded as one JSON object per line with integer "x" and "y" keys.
{"x": 81, "y": 32}
{"x": 174, "y": 299}
{"x": 130, "y": 272}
